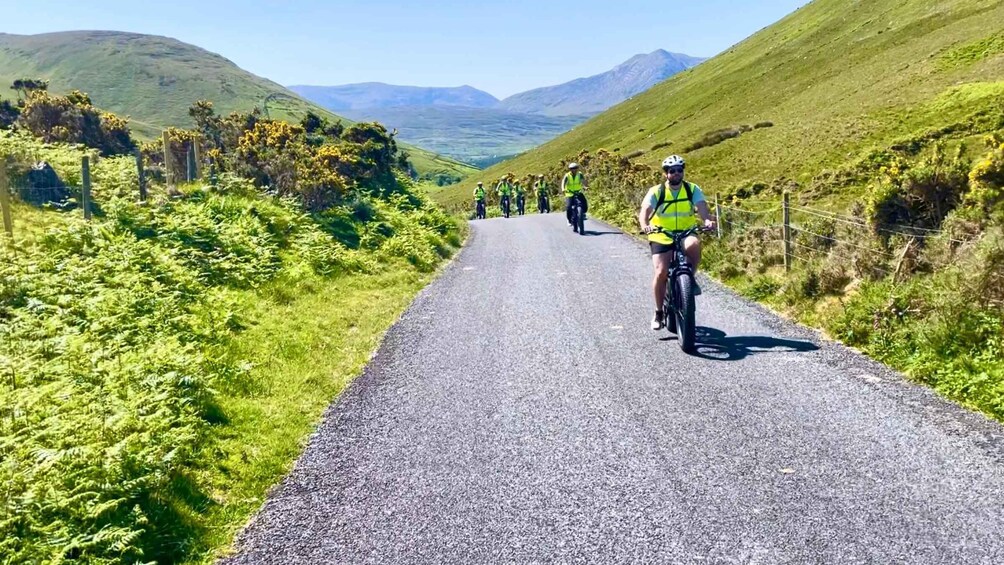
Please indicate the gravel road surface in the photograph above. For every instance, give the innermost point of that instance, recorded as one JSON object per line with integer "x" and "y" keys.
{"x": 522, "y": 411}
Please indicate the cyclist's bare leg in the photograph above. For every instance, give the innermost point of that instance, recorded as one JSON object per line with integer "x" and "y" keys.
{"x": 692, "y": 248}
{"x": 661, "y": 264}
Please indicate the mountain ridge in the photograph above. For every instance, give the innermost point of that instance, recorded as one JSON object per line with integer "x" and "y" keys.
{"x": 367, "y": 95}
{"x": 596, "y": 93}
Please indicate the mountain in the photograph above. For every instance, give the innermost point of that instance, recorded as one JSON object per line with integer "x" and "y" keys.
{"x": 597, "y": 93}
{"x": 472, "y": 135}
{"x": 837, "y": 80}
{"x": 368, "y": 95}
{"x": 473, "y": 126}
{"x": 154, "y": 80}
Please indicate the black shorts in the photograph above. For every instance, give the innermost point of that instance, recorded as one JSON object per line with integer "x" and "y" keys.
{"x": 660, "y": 248}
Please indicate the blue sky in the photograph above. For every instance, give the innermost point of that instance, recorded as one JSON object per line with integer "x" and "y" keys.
{"x": 501, "y": 47}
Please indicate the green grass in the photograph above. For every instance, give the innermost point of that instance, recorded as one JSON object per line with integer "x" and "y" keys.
{"x": 154, "y": 80}
{"x": 837, "y": 80}
{"x": 303, "y": 350}
{"x": 163, "y": 364}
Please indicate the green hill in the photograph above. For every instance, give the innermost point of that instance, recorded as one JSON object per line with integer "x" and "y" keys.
{"x": 836, "y": 78}
{"x": 154, "y": 80}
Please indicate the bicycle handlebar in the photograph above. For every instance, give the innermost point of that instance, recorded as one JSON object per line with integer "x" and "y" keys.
{"x": 682, "y": 233}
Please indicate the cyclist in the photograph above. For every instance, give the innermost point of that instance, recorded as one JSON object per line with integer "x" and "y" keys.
{"x": 520, "y": 192}
{"x": 573, "y": 185}
{"x": 479, "y": 199}
{"x": 672, "y": 206}
{"x": 504, "y": 190}
{"x": 543, "y": 198}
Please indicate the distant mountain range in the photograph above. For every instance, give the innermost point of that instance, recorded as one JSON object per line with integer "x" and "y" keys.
{"x": 379, "y": 95}
{"x": 470, "y": 124}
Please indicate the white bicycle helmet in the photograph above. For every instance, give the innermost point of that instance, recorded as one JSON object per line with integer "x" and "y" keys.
{"x": 673, "y": 161}
{"x": 573, "y": 165}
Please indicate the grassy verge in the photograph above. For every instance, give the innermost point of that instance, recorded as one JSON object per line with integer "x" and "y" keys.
{"x": 301, "y": 354}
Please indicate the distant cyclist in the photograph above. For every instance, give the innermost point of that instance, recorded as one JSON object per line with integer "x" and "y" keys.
{"x": 520, "y": 191}
{"x": 673, "y": 206}
{"x": 504, "y": 190}
{"x": 573, "y": 185}
{"x": 543, "y": 198}
{"x": 479, "y": 200}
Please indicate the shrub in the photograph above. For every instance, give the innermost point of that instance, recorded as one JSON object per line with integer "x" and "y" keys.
{"x": 920, "y": 195}
{"x": 72, "y": 119}
{"x": 714, "y": 138}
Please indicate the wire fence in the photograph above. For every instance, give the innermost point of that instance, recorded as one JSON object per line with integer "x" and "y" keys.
{"x": 802, "y": 234}
{"x": 42, "y": 185}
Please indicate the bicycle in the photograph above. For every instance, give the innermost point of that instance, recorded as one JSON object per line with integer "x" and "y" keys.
{"x": 480, "y": 212}
{"x": 543, "y": 204}
{"x": 504, "y": 204}
{"x": 678, "y": 305}
{"x": 520, "y": 204}
{"x": 578, "y": 215}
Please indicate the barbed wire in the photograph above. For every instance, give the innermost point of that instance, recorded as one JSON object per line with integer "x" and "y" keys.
{"x": 835, "y": 240}
{"x": 832, "y": 252}
{"x": 929, "y": 233}
{"x": 751, "y": 212}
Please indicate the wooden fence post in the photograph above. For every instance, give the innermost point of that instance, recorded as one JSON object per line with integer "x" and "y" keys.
{"x": 786, "y": 218}
{"x": 141, "y": 174}
{"x": 718, "y": 218}
{"x": 8, "y": 223}
{"x": 190, "y": 156}
{"x": 85, "y": 174}
{"x": 168, "y": 162}
{"x": 197, "y": 157}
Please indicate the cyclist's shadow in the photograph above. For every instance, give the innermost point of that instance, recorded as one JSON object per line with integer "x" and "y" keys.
{"x": 714, "y": 344}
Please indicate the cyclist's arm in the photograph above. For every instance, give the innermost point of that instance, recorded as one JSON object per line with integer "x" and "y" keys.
{"x": 564, "y": 179}
{"x": 646, "y": 212}
{"x": 703, "y": 211}
{"x": 701, "y": 207}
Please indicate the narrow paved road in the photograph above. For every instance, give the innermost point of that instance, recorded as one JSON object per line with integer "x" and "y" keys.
{"x": 523, "y": 412}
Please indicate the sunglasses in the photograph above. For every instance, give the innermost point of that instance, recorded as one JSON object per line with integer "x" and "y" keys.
{"x": 674, "y": 170}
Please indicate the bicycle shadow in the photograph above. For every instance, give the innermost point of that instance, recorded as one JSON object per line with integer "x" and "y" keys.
{"x": 716, "y": 345}
{"x": 592, "y": 232}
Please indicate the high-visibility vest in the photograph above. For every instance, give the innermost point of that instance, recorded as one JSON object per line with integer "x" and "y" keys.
{"x": 673, "y": 213}
{"x": 573, "y": 183}
{"x": 479, "y": 193}
{"x": 505, "y": 188}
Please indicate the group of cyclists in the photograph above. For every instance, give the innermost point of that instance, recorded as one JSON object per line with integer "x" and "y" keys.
{"x": 674, "y": 205}
{"x": 573, "y": 186}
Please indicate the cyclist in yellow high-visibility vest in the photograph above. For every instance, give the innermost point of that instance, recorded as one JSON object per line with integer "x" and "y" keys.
{"x": 480, "y": 192}
{"x": 543, "y": 198}
{"x": 504, "y": 190}
{"x": 673, "y": 205}
{"x": 574, "y": 185}
{"x": 479, "y": 199}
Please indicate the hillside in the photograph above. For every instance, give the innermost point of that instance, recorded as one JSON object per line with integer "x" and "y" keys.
{"x": 469, "y": 134}
{"x": 154, "y": 80}
{"x": 379, "y": 95}
{"x": 594, "y": 94}
{"x": 836, "y": 79}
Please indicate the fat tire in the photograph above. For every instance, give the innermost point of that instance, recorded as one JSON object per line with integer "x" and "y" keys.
{"x": 685, "y": 312}
{"x": 580, "y": 220}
